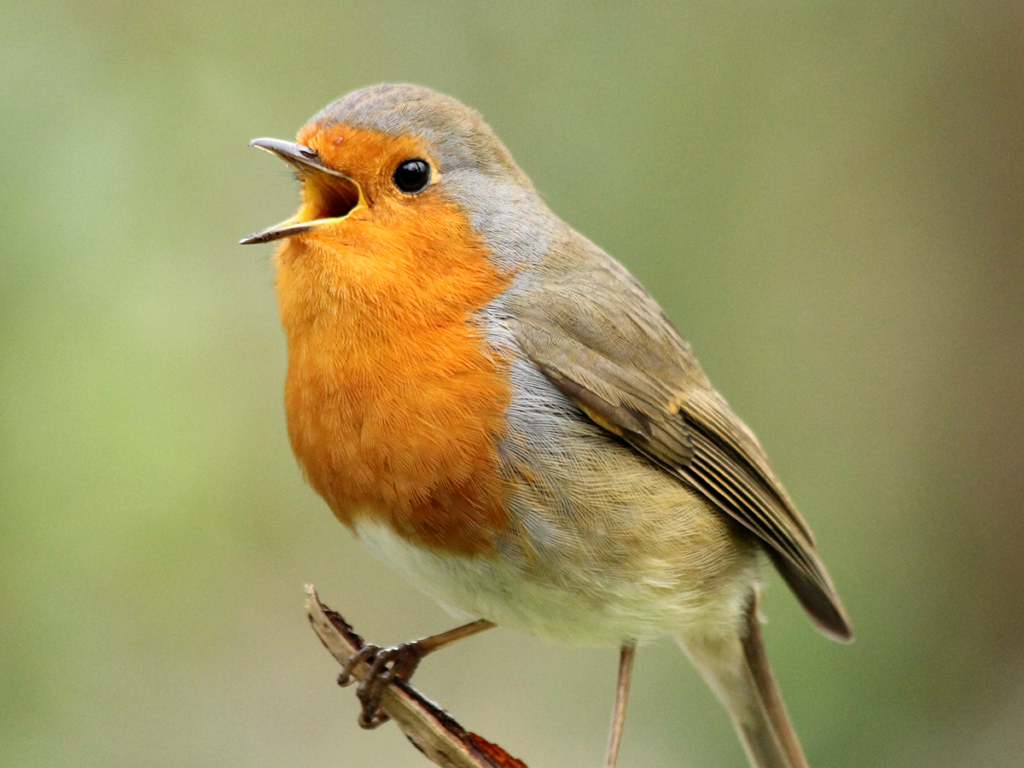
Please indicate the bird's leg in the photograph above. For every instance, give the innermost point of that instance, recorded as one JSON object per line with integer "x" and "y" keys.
{"x": 626, "y": 656}
{"x": 398, "y": 663}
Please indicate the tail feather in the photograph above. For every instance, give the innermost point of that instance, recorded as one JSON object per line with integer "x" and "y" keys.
{"x": 736, "y": 668}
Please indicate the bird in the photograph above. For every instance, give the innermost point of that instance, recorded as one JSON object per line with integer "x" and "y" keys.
{"x": 502, "y": 413}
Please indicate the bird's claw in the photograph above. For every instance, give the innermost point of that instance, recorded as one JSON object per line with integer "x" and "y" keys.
{"x": 364, "y": 654}
{"x": 386, "y": 666}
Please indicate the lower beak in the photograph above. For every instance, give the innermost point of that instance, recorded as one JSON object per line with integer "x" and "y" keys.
{"x": 287, "y": 228}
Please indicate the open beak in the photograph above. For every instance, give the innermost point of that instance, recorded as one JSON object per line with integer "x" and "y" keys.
{"x": 330, "y": 196}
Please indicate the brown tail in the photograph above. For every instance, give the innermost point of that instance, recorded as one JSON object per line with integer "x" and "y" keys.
{"x": 737, "y": 670}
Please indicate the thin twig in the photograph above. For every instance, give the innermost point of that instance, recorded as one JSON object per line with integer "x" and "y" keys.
{"x": 430, "y": 729}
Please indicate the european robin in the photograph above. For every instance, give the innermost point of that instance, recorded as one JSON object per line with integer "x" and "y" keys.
{"x": 501, "y": 412}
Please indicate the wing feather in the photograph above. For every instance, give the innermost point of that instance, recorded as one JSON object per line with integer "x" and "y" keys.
{"x": 613, "y": 352}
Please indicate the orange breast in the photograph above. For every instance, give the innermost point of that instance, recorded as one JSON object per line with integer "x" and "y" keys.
{"x": 395, "y": 401}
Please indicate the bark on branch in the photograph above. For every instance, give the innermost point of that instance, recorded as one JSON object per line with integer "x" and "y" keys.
{"x": 430, "y": 729}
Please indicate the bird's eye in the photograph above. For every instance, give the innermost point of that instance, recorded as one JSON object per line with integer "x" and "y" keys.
{"x": 412, "y": 176}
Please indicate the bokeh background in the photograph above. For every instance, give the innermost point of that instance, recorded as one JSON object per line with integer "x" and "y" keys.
{"x": 828, "y": 198}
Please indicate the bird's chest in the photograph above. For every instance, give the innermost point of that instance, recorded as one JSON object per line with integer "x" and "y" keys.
{"x": 403, "y": 430}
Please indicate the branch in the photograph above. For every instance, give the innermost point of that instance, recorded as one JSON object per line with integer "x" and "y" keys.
{"x": 430, "y": 729}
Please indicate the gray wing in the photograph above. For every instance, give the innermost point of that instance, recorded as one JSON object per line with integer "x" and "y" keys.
{"x": 600, "y": 338}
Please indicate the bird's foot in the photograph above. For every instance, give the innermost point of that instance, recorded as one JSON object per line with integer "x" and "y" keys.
{"x": 386, "y": 666}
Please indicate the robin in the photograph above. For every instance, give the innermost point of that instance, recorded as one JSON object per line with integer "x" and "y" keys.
{"x": 501, "y": 412}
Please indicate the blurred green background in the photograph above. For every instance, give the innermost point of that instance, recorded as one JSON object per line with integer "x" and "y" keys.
{"x": 828, "y": 198}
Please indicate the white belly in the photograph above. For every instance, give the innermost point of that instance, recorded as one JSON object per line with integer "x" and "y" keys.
{"x": 578, "y": 608}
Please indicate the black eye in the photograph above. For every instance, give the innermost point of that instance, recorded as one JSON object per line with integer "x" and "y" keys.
{"x": 412, "y": 176}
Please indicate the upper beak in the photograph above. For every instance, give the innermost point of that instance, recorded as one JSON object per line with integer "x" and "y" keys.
{"x": 340, "y": 194}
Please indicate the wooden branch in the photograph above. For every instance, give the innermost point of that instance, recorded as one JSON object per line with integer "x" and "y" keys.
{"x": 430, "y": 729}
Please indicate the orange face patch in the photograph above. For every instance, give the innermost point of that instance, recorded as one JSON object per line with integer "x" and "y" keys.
{"x": 395, "y": 400}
